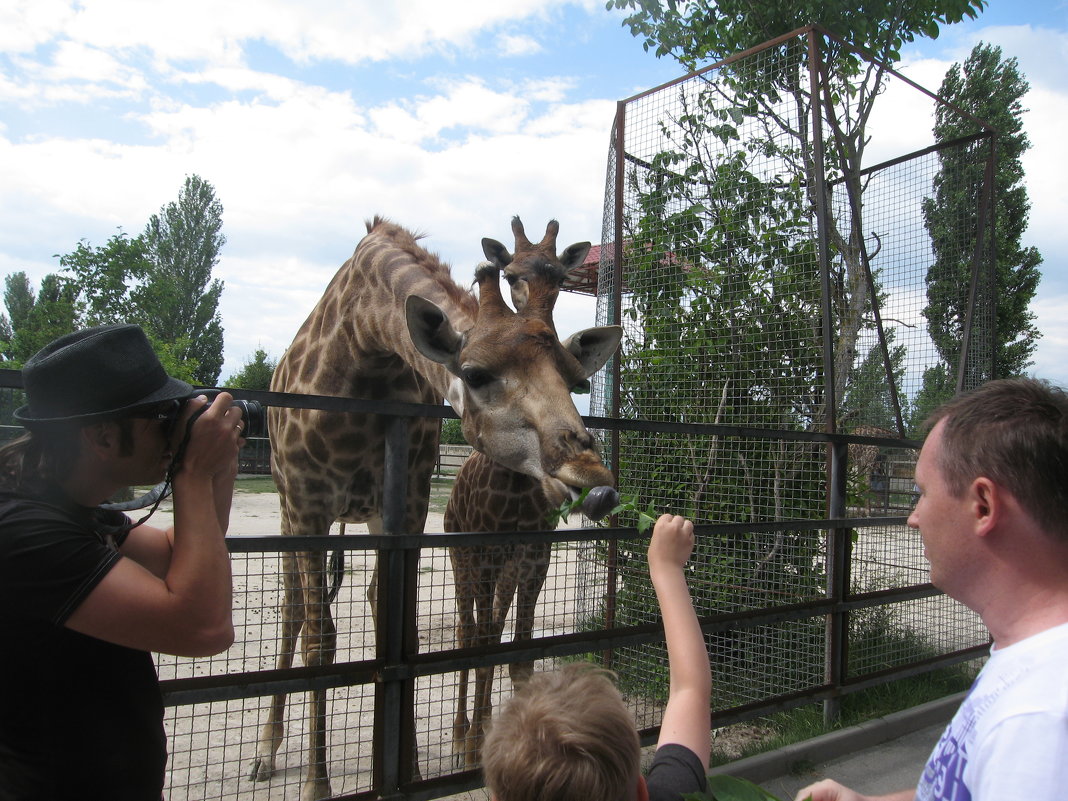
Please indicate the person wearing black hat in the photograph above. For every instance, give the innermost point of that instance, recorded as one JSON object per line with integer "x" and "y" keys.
{"x": 85, "y": 593}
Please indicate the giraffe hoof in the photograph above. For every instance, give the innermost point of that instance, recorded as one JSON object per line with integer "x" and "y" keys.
{"x": 262, "y": 769}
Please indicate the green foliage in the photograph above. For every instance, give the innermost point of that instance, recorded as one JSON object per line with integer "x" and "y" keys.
{"x": 451, "y": 432}
{"x": 256, "y": 374}
{"x": 709, "y": 30}
{"x": 731, "y": 788}
{"x": 990, "y": 89}
{"x": 33, "y": 320}
{"x": 179, "y": 300}
{"x": 103, "y": 276}
{"x": 158, "y": 280}
{"x": 867, "y": 397}
{"x": 938, "y": 387}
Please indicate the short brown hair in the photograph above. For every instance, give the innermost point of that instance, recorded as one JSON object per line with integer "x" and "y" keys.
{"x": 565, "y": 736}
{"x": 1014, "y": 432}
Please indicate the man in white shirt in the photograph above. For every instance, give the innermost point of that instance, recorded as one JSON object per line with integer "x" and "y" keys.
{"x": 993, "y": 516}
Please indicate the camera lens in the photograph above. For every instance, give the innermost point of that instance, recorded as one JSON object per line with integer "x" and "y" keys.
{"x": 252, "y": 416}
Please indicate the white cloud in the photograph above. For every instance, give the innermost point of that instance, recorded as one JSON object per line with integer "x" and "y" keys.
{"x": 518, "y": 45}
{"x": 300, "y": 166}
{"x": 315, "y": 30}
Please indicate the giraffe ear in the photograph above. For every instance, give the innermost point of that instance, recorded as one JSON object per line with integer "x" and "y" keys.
{"x": 496, "y": 252}
{"x": 594, "y": 346}
{"x": 430, "y": 330}
{"x": 574, "y": 254}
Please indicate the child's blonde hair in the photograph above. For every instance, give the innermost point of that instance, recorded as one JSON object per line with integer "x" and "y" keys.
{"x": 565, "y": 736}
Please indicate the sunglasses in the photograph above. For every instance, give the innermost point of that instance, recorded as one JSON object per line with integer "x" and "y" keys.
{"x": 165, "y": 413}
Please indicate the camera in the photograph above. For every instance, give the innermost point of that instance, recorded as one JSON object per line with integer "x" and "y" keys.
{"x": 252, "y": 413}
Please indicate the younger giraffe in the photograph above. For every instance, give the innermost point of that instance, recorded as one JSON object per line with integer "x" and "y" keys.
{"x": 489, "y": 497}
{"x": 392, "y": 325}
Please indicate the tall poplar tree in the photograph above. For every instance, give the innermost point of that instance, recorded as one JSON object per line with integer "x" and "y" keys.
{"x": 990, "y": 88}
{"x": 179, "y": 301}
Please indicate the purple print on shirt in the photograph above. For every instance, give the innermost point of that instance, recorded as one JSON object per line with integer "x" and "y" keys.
{"x": 943, "y": 776}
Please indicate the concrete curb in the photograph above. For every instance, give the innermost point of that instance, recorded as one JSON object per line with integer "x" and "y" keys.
{"x": 781, "y": 762}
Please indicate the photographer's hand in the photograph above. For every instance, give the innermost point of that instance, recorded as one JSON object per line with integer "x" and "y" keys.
{"x": 215, "y": 434}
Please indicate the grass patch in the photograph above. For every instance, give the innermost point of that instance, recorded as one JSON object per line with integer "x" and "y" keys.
{"x": 439, "y": 489}
{"x": 255, "y": 484}
{"x": 806, "y": 722}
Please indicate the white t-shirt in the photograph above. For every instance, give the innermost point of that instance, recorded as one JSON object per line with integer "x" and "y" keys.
{"x": 1009, "y": 739}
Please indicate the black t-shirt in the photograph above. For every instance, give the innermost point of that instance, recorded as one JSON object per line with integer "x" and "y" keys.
{"x": 80, "y": 718}
{"x": 675, "y": 771}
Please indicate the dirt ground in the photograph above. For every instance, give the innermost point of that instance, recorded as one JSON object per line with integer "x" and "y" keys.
{"x": 213, "y": 745}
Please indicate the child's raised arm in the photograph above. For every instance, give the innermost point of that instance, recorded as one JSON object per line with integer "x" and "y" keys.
{"x": 686, "y": 719}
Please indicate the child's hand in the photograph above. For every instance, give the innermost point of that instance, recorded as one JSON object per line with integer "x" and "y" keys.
{"x": 672, "y": 542}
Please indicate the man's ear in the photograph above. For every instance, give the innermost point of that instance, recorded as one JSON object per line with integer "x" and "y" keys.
{"x": 987, "y": 505}
{"x": 101, "y": 438}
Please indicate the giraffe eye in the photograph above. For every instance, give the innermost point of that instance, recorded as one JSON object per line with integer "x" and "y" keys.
{"x": 476, "y": 377}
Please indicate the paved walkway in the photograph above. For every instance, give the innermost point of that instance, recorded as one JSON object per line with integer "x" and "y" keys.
{"x": 880, "y": 756}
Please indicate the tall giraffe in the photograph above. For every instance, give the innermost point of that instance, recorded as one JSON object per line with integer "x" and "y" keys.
{"x": 487, "y": 496}
{"x": 393, "y": 325}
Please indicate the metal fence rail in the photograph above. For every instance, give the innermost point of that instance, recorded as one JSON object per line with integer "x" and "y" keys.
{"x": 769, "y": 649}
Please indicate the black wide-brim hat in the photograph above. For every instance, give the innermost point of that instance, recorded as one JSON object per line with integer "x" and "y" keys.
{"x": 95, "y": 373}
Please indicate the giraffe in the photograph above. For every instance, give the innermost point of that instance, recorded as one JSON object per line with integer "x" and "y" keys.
{"x": 393, "y": 325}
{"x": 487, "y": 496}
{"x": 867, "y": 463}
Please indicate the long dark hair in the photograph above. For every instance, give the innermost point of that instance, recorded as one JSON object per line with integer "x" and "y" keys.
{"x": 48, "y": 454}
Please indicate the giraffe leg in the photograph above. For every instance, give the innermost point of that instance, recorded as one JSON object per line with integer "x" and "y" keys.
{"x": 529, "y": 583}
{"x": 292, "y": 618}
{"x": 488, "y": 631}
{"x": 465, "y": 637}
{"x": 319, "y": 648}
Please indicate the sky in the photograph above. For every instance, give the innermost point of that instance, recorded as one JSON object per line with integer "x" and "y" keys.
{"x": 447, "y": 116}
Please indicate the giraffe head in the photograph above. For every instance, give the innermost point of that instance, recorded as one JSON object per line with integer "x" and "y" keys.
{"x": 535, "y": 263}
{"x": 513, "y": 377}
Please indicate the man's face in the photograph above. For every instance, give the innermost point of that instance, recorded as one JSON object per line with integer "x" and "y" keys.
{"x": 152, "y": 445}
{"x": 941, "y": 518}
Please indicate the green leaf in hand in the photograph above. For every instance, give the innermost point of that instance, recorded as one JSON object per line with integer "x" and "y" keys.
{"x": 731, "y": 788}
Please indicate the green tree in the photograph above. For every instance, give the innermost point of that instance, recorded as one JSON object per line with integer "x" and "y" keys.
{"x": 868, "y": 399}
{"x": 705, "y": 31}
{"x": 179, "y": 300}
{"x": 991, "y": 89}
{"x": 451, "y": 433}
{"x": 32, "y": 321}
{"x": 104, "y": 276}
{"x": 256, "y": 374}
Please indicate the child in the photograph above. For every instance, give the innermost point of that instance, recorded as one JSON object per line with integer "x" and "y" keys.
{"x": 568, "y": 736}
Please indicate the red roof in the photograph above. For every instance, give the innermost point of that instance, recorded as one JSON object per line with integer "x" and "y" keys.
{"x": 583, "y": 279}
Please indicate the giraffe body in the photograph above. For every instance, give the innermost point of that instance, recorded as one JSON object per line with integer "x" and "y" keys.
{"x": 393, "y": 325}
{"x": 867, "y": 463}
{"x": 489, "y": 497}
